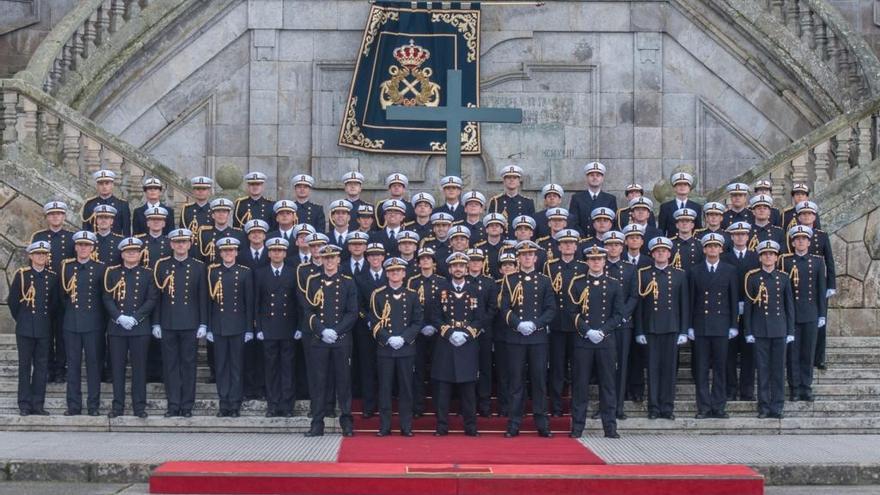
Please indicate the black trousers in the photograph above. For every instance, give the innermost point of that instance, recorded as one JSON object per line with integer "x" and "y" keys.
{"x": 179, "y": 351}
{"x": 638, "y": 363}
{"x": 401, "y": 368}
{"x": 623, "y": 339}
{"x": 467, "y": 397}
{"x": 535, "y": 356}
{"x": 76, "y": 344}
{"x": 212, "y": 366}
{"x": 57, "y": 354}
{"x": 604, "y": 359}
{"x": 711, "y": 355}
{"x": 740, "y": 358}
{"x": 154, "y": 360}
{"x": 33, "y": 372}
{"x": 801, "y": 353}
{"x": 821, "y": 339}
{"x": 484, "y": 380}
{"x": 133, "y": 349}
{"x": 502, "y": 372}
{"x": 229, "y": 360}
{"x": 279, "y": 360}
{"x": 770, "y": 360}
{"x": 365, "y": 355}
{"x": 662, "y": 357}
{"x": 331, "y": 364}
{"x": 561, "y": 357}
{"x": 300, "y": 369}
{"x": 254, "y": 368}
{"x": 424, "y": 352}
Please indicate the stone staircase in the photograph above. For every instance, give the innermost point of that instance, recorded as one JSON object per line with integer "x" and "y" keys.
{"x": 847, "y": 401}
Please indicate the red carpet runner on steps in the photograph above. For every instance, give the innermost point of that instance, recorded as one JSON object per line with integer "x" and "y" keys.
{"x": 459, "y": 449}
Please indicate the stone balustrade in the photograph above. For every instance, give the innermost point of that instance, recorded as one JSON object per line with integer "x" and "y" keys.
{"x": 84, "y": 30}
{"x": 33, "y": 121}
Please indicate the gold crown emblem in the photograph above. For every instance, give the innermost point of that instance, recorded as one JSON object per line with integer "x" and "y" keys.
{"x": 411, "y": 55}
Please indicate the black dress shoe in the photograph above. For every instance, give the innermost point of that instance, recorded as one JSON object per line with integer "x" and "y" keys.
{"x": 60, "y": 379}
{"x": 763, "y": 415}
{"x": 668, "y": 416}
{"x": 314, "y": 433}
{"x": 407, "y": 433}
{"x": 472, "y": 433}
{"x": 807, "y": 397}
{"x": 576, "y": 434}
{"x": 611, "y": 433}
{"x": 778, "y": 415}
{"x": 171, "y": 414}
{"x": 485, "y": 413}
{"x": 652, "y": 415}
{"x": 40, "y": 412}
{"x": 622, "y": 416}
{"x": 511, "y": 433}
{"x": 700, "y": 415}
{"x": 441, "y": 433}
{"x": 72, "y": 413}
{"x": 367, "y": 415}
{"x": 721, "y": 415}
{"x": 383, "y": 433}
{"x": 731, "y": 397}
{"x": 288, "y": 415}
{"x": 142, "y": 415}
{"x": 270, "y": 414}
{"x": 24, "y": 412}
{"x": 94, "y": 412}
{"x": 748, "y": 398}
{"x": 821, "y": 366}
{"x": 556, "y": 414}
{"x": 113, "y": 414}
{"x": 417, "y": 415}
{"x": 638, "y": 398}
{"x": 545, "y": 434}
{"x": 222, "y": 413}
{"x": 234, "y": 413}
{"x": 347, "y": 432}
{"x": 187, "y": 414}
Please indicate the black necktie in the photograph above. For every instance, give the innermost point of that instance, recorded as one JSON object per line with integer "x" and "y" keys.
{"x": 739, "y": 254}
{"x": 357, "y": 266}
{"x": 376, "y": 276}
{"x": 711, "y": 268}
{"x": 278, "y": 272}
{"x": 286, "y": 236}
{"x": 305, "y": 259}
{"x": 256, "y": 255}
{"x": 339, "y": 240}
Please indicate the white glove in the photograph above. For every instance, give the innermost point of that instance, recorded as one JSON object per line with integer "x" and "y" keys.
{"x": 126, "y": 322}
{"x": 329, "y": 336}
{"x": 157, "y": 331}
{"x": 396, "y": 342}
{"x": 641, "y": 339}
{"x": 789, "y": 339}
{"x": 297, "y": 335}
{"x": 210, "y": 337}
{"x": 830, "y": 292}
{"x": 682, "y": 339}
{"x": 691, "y": 335}
{"x": 822, "y": 321}
{"x": 732, "y": 333}
{"x": 201, "y": 332}
{"x": 595, "y": 336}
{"x": 260, "y": 336}
{"x": 523, "y": 328}
{"x": 742, "y": 307}
{"x": 532, "y": 326}
{"x": 248, "y": 336}
{"x": 428, "y": 330}
{"x": 750, "y": 339}
{"x": 458, "y": 338}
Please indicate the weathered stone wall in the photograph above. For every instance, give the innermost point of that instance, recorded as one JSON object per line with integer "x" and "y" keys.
{"x": 644, "y": 87}
{"x": 23, "y": 25}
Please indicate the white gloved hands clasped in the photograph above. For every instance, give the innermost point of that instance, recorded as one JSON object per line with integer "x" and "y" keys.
{"x": 396, "y": 342}
{"x": 641, "y": 340}
{"x": 595, "y": 336}
{"x": 457, "y": 338}
{"x": 682, "y": 339}
{"x": 750, "y": 339}
{"x": 157, "y": 331}
{"x": 428, "y": 330}
{"x": 789, "y": 339}
{"x": 329, "y": 336}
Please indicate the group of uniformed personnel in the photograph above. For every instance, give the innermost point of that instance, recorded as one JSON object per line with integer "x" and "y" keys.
{"x": 468, "y": 296}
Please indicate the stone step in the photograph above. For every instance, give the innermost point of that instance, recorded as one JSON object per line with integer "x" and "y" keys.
{"x": 209, "y": 407}
{"x": 256, "y": 424}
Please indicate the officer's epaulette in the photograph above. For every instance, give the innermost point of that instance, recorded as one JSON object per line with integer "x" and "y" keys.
{"x": 410, "y": 290}
{"x": 239, "y": 200}
{"x": 163, "y": 258}
{"x": 377, "y": 290}
{"x": 343, "y": 275}
{"x": 213, "y": 265}
{"x": 429, "y": 238}
{"x": 577, "y": 277}
{"x": 542, "y": 239}
{"x": 82, "y": 209}
{"x": 816, "y": 231}
{"x": 497, "y": 196}
{"x": 204, "y": 228}
{"x": 67, "y": 260}
{"x": 645, "y": 268}
{"x": 752, "y": 271}
{"x": 787, "y": 254}
{"x": 480, "y": 243}
{"x": 554, "y": 260}
{"x": 33, "y": 235}
{"x": 140, "y": 235}
{"x": 194, "y": 259}
{"x": 117, "y": 235}
{"x": 243, "y": 266}
{"x": 235, "y": 228}
{"x": 788, "y": 208}
{"x": 24, "y": 269}
{"x": 407, "y": 224}
{"x": 112, "y": 267}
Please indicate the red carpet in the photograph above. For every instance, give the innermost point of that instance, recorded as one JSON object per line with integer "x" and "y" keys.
{"x": 436, "y": 479}
{"x": 459, "y": 449}
{"x": 428, "y": 423}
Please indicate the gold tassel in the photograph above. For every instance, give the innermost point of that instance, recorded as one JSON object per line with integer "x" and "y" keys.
{"x": 70, "y": 287}
{"x": 384, "y": 320}
{"x": 795, "y": 276}
{"x": 652, "y": 289}
{"x": 557, "y": 283}
{"x": 145, "y": 258}
{"x": 584, "y": 300}
{"x": 422, "y": 294}
{"x": 94, "y": 255}
{"x": 28, "y": 297}
{"x": 753, "y": 242}
{"x": 118, "y": 290}
{"x": 676, "y": 261}
{"x": 516, "y": 295}
{"x": 216, "y": 291}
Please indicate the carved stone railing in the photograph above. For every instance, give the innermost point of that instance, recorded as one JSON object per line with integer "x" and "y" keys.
{"x": 846, "y": 145}
{"x": 32, "y": 121}
{"x": 815, "y": 44}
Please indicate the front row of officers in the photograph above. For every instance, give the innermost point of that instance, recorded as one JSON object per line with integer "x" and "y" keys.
{"x": 406, "y": 323}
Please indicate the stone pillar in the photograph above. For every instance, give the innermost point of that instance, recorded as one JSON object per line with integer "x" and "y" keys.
{"x": 265, "y": 18}
{"x": 647, "y": 106}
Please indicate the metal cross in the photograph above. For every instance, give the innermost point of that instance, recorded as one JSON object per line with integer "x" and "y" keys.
{"x": 454, "y": 114}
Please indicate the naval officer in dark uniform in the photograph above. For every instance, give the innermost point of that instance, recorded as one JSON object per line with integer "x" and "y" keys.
{"x": 769, "y": 322}
{"x": 455, "y": 363}
{"x": 331, "y": 313}
{"x": 129, "y": 298}
{"x": 664, "y": 314}
{"x": 511, "y": 203}
{"x": 584, "y": 202}
{"x": 254, "y": 205}
{"x": 197, "y": 213}
{"x": 179, "y": 320}
{"x": 595, "y": 301}
{"x": 33, "y": 301}
{"x": 104, "y": 180}
{"x": 527, "y": 304}
{"x": 395, "y": 319}
{"x": 82, "y": 283}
